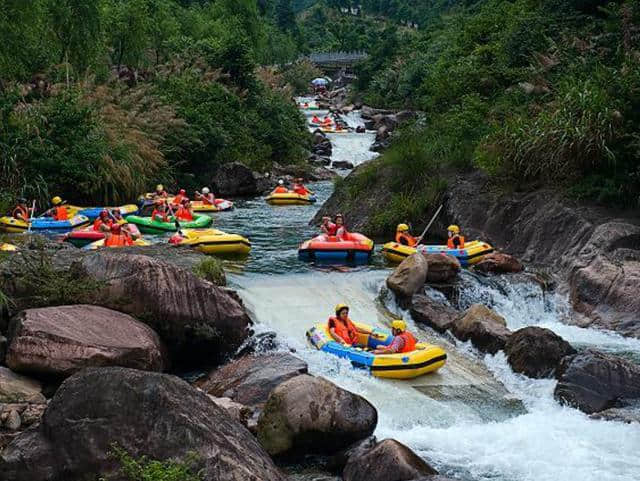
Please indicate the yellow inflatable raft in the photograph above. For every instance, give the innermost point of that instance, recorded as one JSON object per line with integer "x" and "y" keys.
{"x": 4, "y": 247}
{"x": 424, "y": 359}
{"x": 290, "y": 198}
{"x": 472, "y": 253}
{"x": 213, "y": 241}
{"x": 99, "y": 244}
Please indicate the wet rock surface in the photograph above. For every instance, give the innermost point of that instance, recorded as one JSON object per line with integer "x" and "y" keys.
{"x": 499, "y": 263}
{"x": 15, "y": 388}
{"x": 485, "y": 329}
{"x": 235, "y": 180}
{"x": 409, "y": 277}
{"x": 437, "y": 315}
{"x": 536, "y": 352}
{"x": 61, "y": 340}
{"x": 307, "y": 415}
{"x": 441, "y": 267}
{"x": 593, "y": 381}
{"x": 145, "y": 413}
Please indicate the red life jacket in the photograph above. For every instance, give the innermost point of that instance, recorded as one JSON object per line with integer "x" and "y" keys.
{"x": 451, "y": 245}
{"x": 300, "y": 189}
{"x": 118, "y": 240}
{"x": 346, "y": 331}
{"x": 157, "y": 213}
{"x": 331, "y": 229}
{"x": 98, "y": 223}
{"x": 280, "y": 190}
{"x": 409, "y": 342}
{"x": 60, "y": 213}
{"x": 184, "y": 214}
{"x": 406, "y": 239}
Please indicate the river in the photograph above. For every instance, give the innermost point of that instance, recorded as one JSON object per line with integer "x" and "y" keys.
{"x": 474, "y": 420}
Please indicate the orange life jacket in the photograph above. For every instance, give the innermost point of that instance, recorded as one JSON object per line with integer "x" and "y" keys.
{"x": 406, "y": 239}
{"x": 409, "y": 342}
{"x": 451, "y": 245}
{"x": 346, "y": 331}
{"x": 118, "y": 240}
{"x": 184, "y": 214}
{"x": 60, "y": 213}
{"x": 21, "y": 213}
{"x": 300, "y": 189}
{"x": 209, "y": 199}
{"x": 98, "y": 223}
{"x": 177, "y": 200}
{"x": 280, "y": 190}
{"x": 157, "y": 213}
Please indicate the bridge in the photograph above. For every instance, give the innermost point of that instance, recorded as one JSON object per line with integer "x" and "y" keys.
{"x": 336, "y": 61}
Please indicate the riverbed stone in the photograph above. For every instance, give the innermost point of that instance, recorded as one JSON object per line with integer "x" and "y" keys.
{"x": 409, "y": 277}
{"x": 437, "y": 315}
{"x": 389, "y": 460}
{"x": 441, "y": 267}
{"x": 64, "y": 339}
{"x": 13, "y": 421}
{"x": 15, "y": 388}
{"x": 593, "y": 381}
{"x": 309, "y": 415}
{"x": 499, "y": 263}
{"x": 250, "y": 379}
{"x": 234, "y": 179}
{"x": 485, "y": 328}
{"x": 536, "y": 352}
{"x": 146, "y": 414}
{"x": 4, "y": 343}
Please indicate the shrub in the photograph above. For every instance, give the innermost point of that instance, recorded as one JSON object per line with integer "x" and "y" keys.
{"x": 211, "y": 270}
{"x": 144, "y": 469}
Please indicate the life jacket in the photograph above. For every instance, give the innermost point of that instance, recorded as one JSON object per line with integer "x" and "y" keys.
{"x": 315, "y": 119}
{"x": 184, "y": 214}
{"x": 346, "y": 331}
{"x": 281, "y": 190}
{"x": 451, "y": 245}
{"x": 20, "y": 213}
{"x": 327, "y": 121}
{"x": 300, "y": 189}
{"x": 98, "y": 223}
{"x": 118, "y": 240}
{"x": 406, "y": 239}
{"x": 208, "y": 199}
{"x": 331, "y": 229}
{"x": 157, "y": 213}
{"x": 177, "y": 200}
{"x": 409, "y": 342}
{"x": 342, "y": 233}
{"x": 60, "y": 213}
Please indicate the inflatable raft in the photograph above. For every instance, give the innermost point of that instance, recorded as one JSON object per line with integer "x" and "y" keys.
{"x": 82, "y": 237}
{"x": 213, "y": 241}
{"x": 100, "y": 244}
{"x": 407, "y": 365}
{"x": 472, "y": 253}
{"x": 356, "y": 248}
{"x": 333, "y": 130}
{"x": 94, "y": 212}
{"x": 148, "y": 226}
{"x": 11, "y": 224}
{"x": 218, "y": 206}
{"x": 290, "y": 198}
{"x": 4, "y": 247}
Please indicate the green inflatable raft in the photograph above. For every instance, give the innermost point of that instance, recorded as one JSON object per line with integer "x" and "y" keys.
{"x": 148, "y": 226}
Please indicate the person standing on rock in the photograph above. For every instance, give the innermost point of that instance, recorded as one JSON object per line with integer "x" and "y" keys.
{"x": 403, "y": 340}
{"x": 405, "y": 238}
{"x": 455, "y": 241}
{"x": 342, "y": 329}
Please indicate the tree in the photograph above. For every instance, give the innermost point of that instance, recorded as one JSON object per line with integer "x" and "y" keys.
{"x": 127, "y": 26}
{"x": 285, "y": 18}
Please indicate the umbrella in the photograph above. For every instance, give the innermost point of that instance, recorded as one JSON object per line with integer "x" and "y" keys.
{"x": 319, "y": 81}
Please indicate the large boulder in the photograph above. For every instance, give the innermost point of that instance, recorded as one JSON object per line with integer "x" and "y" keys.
{"x": 409, "y": 277}
{"x": 437, "y": 315}
{"x": 536, "y": 352}
{"x": 144, "y": 413}
{"x": 4, "y": 343}
{"x": 250, "y": 379}
{"x": 198, "y": 321}
{"x": 311, "y": 415}
{"x": 235, "y": 179}
{"x": 61, "y": 340}
{"x": 15, "y": 388}
{"x": 486, "y": 329}
{"x": 442, "y": 267}
{"x": 499, "y": 263}
{"x": 389, "y": 460}
{"x": 593, "y": 381}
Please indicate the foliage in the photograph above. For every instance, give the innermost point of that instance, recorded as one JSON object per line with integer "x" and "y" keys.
{"x": 211, "y": 270}
{"x": 144, "y": 469}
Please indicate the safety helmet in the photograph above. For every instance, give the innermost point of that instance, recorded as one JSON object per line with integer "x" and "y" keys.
{"x": 340, "y": 307}
{"x": 280, "y": 182}
{"x": 182, "y": 192}
{"x": 56, "y": 200}
{"x": 402, "y": 228}
{"x": 159, "y": 187}
{"x": 399, "y": 324}
{"x": 103, "y": 213}
{"x": 454, "y": 228}
{"x": 205, "y": 190}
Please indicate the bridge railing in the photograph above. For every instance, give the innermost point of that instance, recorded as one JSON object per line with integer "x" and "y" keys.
{"x": 336, "y": 57}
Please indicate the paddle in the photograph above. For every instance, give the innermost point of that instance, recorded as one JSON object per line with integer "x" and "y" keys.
{"x": 33, "y": 209}
{"x": 431, "y": 222}
{"x": 177, "y": 223}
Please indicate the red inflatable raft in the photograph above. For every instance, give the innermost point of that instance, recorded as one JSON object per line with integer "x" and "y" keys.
{"x": 355, "y": 248}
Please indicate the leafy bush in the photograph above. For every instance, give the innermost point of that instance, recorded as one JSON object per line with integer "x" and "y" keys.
{"x": 144, "y": 469}
{"x": 211, "y": 270}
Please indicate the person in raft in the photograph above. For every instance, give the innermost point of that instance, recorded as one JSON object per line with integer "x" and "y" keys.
{"x": 327, "y": 121}
{"x": 404, "y": 237}
{"x": 327, "y": 227}
{"x": 159, "y": 213}
{"x": 184, "y": 211}
{"x": 21, "y": 210}
{"x": 58, "y": 211}
{"x": 160, "y": 193}
{"x": 117, "y": 237}
{"x": 455, "y": 240}
{"x": 280, "y": 189}
{"x": 315, "y": 119}
{"x": 206, "y": 197}
{"x": 341, "y": 230}
{"x": 342, "y": 329}
{"x": 403, "y": 340}
{"x": 299, "y": 188}
{"x": 103, "y": 223}
{"x": 180, "y": 196}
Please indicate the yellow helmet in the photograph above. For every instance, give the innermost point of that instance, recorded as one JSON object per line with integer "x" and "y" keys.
{"x": 56, "y": 200}
{"x": 454, "y": 228}
{"x": 402, "y": 228}
{"x": 159, "y": 187}
{"x": 399, "y": 324}
{"x": 339, "y": 307}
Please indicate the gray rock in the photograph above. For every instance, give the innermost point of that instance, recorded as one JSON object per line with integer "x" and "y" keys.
{"x": 342, "y": 164}
{"x": 434, "y": 314}
{"x": 234, "y": 179}
{"x": 485, "y": 329}
{"x": 442, "y": 267}
{"x": 536, "y": 352}
{"x": 13, "y": 421}
{"x": 15, "y": 388}
{"x": 409, "y": 277}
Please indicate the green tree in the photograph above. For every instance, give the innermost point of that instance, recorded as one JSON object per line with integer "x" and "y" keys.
{"x": 127, "y": 28}
{"x": 285, "y": 18}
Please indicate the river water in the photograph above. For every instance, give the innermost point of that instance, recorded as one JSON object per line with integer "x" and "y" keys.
{"x": 473, "y": 420}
